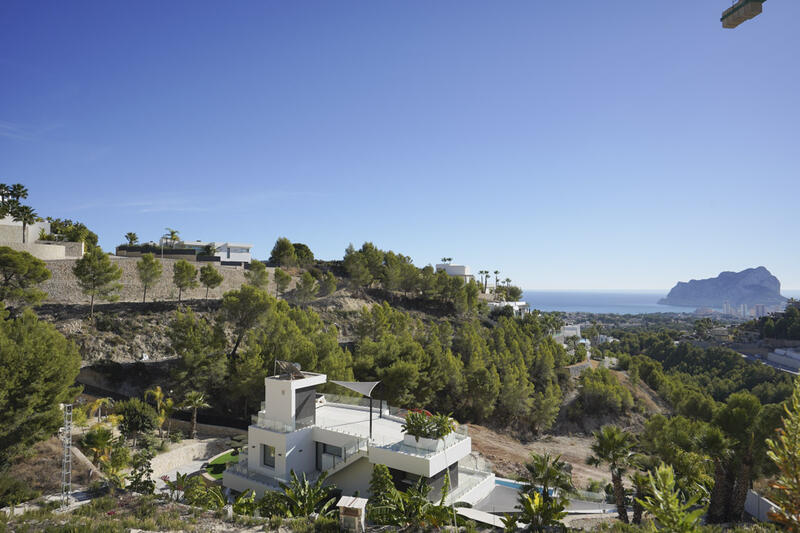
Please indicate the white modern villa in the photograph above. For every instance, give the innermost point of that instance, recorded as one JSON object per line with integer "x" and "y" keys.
{"x": 301, "y": 430}
{"x": 229, "y": 253}
{"x": 457, "y": 271}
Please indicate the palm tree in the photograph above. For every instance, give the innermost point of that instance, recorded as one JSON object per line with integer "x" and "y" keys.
{"x": 26, "y": 215}
{"x": 160, "y": 399}
{"x": 540, "y": 514}
{"x": 172, "y": 235}
{"x": 303, "y": 498}
{"x": 99, "y": 441}
{"x": 641, "y": 486}
{"x": 194, "y": 400}
{"x": 132, "y": 238}
{"x": 507, "y": 281}
{"x": 5, "y": 192}
{"x": 718, "y": 447}
{"x": 18, "y": 192}
{"x": 496, "y": 279}
{"x": 613, "y": 446}
{"x": 546, "y": 474}
{"x": 97, "y": 407}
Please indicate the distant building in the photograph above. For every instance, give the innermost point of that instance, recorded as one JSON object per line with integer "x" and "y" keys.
{"x": 573, "y": 330}
{"x": 11, "y": 236}
{"x": 518, "y": 308}
{"x": 457, "y": 271}
{"x": 760, "y": 310}
{"x": 228, "y": 252}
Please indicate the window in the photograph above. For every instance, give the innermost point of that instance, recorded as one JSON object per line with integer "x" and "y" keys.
{"x": 268, "y": 455}
{"x": 332, "y": 450}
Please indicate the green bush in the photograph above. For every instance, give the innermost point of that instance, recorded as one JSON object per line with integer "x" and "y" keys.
{"x": 326, "y": 525}
{"x": 600, "y": 391}
{"x": 301, "y": 525}
{"x": 13, "y": 491}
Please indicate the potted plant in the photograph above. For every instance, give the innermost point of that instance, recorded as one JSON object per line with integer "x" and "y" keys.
{"x": 427, "y": 431}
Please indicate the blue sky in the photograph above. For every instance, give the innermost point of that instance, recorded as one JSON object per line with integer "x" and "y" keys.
{"x": 572, "y": 145}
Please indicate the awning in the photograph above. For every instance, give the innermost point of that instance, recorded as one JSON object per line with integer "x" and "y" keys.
{"x": 362, "y": 387}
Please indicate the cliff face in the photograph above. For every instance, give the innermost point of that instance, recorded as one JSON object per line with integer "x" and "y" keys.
{"x": 750, "y": 287}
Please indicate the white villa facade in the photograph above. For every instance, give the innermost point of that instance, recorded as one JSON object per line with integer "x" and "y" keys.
{"x": 309, "y": 433}
{"x": 458, "y": 271}
{"x": 518, "y": 308}
{"x": 228, "y": 252}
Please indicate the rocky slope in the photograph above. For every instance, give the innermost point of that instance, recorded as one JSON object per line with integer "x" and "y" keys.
{"x": 751, "y": 286}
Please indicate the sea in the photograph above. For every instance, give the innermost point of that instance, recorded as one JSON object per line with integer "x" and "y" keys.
{"x": 618, "y": 302}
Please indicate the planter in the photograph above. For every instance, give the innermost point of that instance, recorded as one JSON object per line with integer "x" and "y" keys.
{"x": 432, "y": 445}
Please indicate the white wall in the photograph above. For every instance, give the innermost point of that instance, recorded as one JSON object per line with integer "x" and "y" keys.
{"x": 421, "y": 465}
{"x": 353, "y": 478}
{"x": 279, "y": 400}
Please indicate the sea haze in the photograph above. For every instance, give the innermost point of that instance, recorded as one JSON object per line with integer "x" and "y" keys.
{"x": 619, "y": 302}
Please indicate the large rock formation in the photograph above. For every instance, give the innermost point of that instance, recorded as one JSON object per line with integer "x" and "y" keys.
{"x": 750, "y": 287}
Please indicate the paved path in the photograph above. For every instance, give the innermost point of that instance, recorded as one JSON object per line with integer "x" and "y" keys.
{"x": 187, "y": 468}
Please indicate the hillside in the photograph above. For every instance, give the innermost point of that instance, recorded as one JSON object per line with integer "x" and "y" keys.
{"x": 62, "y": 287}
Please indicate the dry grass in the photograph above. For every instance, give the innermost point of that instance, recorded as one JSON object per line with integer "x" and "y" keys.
{"x": 41, "y": 469}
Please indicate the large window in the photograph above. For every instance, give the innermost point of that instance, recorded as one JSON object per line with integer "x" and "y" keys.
{"x": 268, "y": 455}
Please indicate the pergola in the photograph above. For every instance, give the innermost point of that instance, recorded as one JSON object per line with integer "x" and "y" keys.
{"x": 364, "y": 388}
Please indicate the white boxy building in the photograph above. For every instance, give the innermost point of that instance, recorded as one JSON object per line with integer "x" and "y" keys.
{"x": 309, "y": 433}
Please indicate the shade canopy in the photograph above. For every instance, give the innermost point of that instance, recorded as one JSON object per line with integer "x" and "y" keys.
{"x": 361, "y": 387}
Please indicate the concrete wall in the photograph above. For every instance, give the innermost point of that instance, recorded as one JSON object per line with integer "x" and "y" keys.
{"x": 353, "y": 478}
{"x": 758, "y": 507}
{"x": 72, "y": 250}
{"x": 63, "y": 288}
{"x": 45, "y": 252}
{"x": 11, "y": 231}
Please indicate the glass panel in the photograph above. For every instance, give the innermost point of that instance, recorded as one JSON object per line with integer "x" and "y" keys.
{"x": 268, "y": 455}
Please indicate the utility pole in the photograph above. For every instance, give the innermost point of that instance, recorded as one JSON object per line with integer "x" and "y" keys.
{"x": 66, "y": 460}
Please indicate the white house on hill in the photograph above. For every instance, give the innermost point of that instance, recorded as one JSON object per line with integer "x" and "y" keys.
{"x": 458, "y": 271}
{"x": 301, "y": 430}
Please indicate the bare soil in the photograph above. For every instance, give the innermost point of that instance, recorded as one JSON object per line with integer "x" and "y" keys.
{"x": 508, "y": 455}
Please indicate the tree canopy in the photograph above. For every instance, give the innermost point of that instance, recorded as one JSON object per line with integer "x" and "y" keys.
{"x": 97, "y": 276}
{"x": 20, "y": 273}
{"x": 38, "y": 367}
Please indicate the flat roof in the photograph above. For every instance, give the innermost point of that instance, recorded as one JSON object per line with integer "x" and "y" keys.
{"x": 355, "y": 421}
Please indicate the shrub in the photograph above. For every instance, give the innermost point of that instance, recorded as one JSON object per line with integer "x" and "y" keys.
{"x": 13, "y": 491}
{"x": 326, "y": 525}
{"x": 423, "y": 424}
{"x": 601, "y": 391}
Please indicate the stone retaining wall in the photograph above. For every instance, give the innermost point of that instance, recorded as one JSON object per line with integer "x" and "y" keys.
{"x": 62, "y": 287}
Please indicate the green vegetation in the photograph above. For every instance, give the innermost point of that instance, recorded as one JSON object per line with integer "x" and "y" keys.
{"x": 371, "y": 267}
{"x": 601, "y": 392}
{"x": 217, "y": 467}
{"x": 613, "y": 447}
{"x": 97, "y": 276}
{"x": 69, "y": 231}
{"x": 193, "y": 401}
{"x": 38, "y": 367}
{"x": 257, "y": 275}
{"x": 282, "y": 280}
{"x": 137, "y": 418}
{"x": 20, "y": 273}
{"x": 783, "y": 451}
{"x": 425, "y": 425}
{"x": 184, "y": 276}
{"x": 211, "y": 278}
{"x": 149, "y": 270}
{"x": 784, "y": 325}
{"x": 283, "y": 253}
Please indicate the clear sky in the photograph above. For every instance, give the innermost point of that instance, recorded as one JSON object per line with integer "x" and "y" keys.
{"x": 571, "y": 145}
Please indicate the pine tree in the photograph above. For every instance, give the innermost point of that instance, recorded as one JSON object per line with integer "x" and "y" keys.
{"x": 149, "y": 270}
{"x": 98, "y": 277}
{"x": 210, "y": 277}
{"x": 184, "y": 276}
{"x": 257, "y": 275}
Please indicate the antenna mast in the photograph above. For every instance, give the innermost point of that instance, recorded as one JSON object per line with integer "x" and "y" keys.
{"x": 66, "y": 459}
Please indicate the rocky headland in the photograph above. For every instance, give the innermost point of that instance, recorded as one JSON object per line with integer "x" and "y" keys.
{"x": 750, "y": 287}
